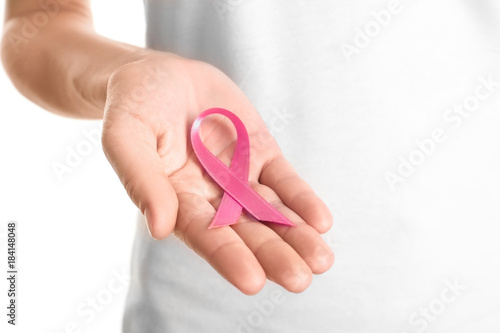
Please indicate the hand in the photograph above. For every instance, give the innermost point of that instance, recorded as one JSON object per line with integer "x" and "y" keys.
{"x": 150, "y": 107}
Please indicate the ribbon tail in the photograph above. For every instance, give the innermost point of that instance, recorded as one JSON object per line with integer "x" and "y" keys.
{"x": 228, "y": 213}
{"x": 253, "y": 203}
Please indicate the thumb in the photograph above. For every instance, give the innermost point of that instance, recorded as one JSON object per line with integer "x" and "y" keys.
{"x": 130, "y": 147}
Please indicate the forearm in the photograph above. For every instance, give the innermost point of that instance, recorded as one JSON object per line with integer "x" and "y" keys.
{"x": 63, "y": 66}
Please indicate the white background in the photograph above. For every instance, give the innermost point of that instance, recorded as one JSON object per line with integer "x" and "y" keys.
{"x": 74, "y": 234}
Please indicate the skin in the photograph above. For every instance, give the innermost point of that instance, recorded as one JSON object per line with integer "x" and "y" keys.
{"x": 148, "y": 100}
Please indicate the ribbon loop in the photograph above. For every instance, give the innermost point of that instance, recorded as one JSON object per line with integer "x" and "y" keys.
{"x": 233, "y": 180}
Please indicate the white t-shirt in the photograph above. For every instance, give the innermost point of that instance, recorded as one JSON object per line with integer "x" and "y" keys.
{"x": 389, "y": 109}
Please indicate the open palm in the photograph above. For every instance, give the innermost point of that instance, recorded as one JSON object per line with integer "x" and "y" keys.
{"x": 150, "y": 107}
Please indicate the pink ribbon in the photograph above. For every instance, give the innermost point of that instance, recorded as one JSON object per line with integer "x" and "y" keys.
{"x": 234, "y": 180}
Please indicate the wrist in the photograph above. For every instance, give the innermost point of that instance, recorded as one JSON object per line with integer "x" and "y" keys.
{"x": 144, "y": 74}
{"x": 92, "y": 83}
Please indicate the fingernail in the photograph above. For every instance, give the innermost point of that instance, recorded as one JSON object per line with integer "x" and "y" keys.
{"x": 297, "y": 280}
{"x": 149, "y": 223}
{"x": 322, "y": 254}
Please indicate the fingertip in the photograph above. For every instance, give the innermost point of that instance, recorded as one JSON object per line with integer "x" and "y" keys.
{"x": 253, "y": 284}
{"x": 298, "y": 279}
{"x": 320, "y": 218}
{"x": 149, "y": 223}
{"x": 252, "y": 279}
{"x": 161, "y": 221}
{"x": 321, "y": 260}
{"x": 324, "y": 223}
{"x": 237, "y": 264}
